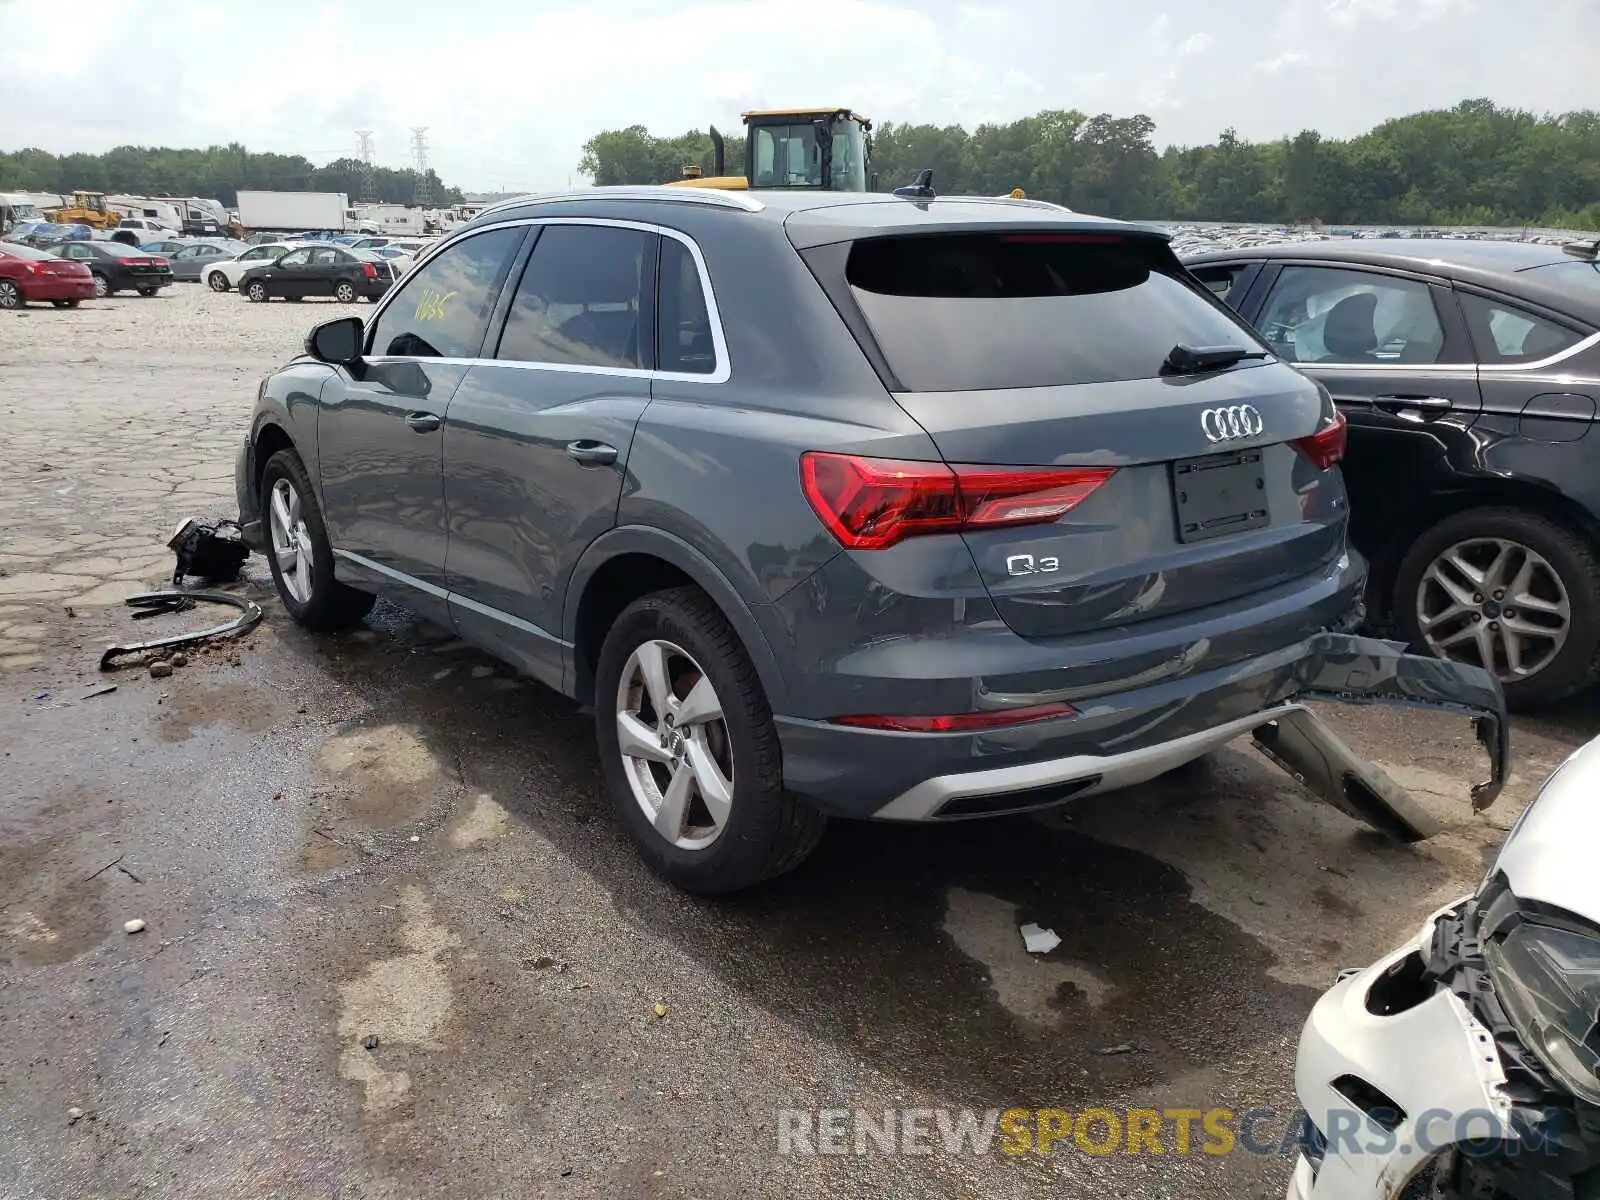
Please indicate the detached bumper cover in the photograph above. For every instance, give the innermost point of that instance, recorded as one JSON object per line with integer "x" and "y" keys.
{"x": 1128, "y": 738}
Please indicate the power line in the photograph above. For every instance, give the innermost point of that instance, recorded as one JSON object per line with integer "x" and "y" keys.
{"x": 422, "y": 196}
{"x": 369, "y": 186}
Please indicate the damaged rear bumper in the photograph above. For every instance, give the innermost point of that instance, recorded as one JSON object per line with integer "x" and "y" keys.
{"x": 1052, "y": 762}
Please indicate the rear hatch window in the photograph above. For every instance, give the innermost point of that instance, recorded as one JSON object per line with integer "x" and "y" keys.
{"x": 978, "y": 312}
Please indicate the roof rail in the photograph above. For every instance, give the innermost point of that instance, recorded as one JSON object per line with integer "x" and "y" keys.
{"x": 715, "y": 197}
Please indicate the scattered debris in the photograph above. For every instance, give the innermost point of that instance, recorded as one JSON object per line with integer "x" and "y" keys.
{"x": 108, "y": 866}
{"x": 482, "y": 672}
{"x": 1038, "y": 939}
{"x": 414, "y": 838}
{"x": 540, "y": 962}
{"x": 1119, "y": 1048}
{"x": 74, "y": 1115}
{"x": 163, "y": 1040}
{"x": 71, "y": 612}
{"x": 180, "y": 659}
{"x": 321, "y": 834}
{"x": 158, "y": 602}
{"x": 160, "y": 669}
{"x": 133, "y": 926}
{"x": 370, "y": 1042}
{"x": 129, "y": 873}
{"x": 438, "y": 675}
{"x": 105, "y": 689}
{"x": 661, "y": 1010}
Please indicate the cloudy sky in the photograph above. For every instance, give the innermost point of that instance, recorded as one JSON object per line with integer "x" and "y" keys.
{"x": 510, "y": 91}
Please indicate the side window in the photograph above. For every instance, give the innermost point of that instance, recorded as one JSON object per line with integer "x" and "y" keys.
{"x": 580, "y": 301}
{"x": 443, "y": 310}
{"x": 298, "y": 259}
{"x": 1335, "y": 315}
{"x": 684, "y": 341}
{"x": 1220, "y": 278}
{"x": 80, "y": 252}
{"x": 324, "y": 258}
{"x": 1502, "y": 334}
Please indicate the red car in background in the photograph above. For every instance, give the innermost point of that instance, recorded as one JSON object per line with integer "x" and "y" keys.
{"x": 28, "y": 274}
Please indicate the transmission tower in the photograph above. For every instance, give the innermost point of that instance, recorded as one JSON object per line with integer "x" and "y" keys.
{"x": 422, "y": 197}
{"x": 369, "y": 185}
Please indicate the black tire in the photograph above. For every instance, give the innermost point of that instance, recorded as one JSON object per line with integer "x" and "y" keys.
{"x": 332, "y": 605}
{"x": 11, "y": 295}
{"x": 148, "y": 292}
{"x": 344, "y": 292}
{"x": 217, "y": 281}
{"x": 768, "y": 832}
{"x": 1572, "y": 557}
{"x": 102, "y": 286}
{"x": 256, "y": 292}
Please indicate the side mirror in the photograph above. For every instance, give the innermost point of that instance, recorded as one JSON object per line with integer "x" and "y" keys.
{"x": 337, "y": 342}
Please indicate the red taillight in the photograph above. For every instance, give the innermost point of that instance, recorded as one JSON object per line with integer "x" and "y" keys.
{"x": 872, "y": 503}
{"x": 959, "y": 722}
{"x": 370, "y": 271}
{"x": 1325, "y": 447}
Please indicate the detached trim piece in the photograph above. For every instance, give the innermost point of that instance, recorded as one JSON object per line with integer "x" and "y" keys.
{"x": 177, "y": 601}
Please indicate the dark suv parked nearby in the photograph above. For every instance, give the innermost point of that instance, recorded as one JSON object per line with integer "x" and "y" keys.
{"x": 1469, "y": 373}
{"x": 854, "y": 505}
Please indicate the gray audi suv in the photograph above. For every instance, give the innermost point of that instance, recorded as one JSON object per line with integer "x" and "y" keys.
{"x": 915, "y": 509}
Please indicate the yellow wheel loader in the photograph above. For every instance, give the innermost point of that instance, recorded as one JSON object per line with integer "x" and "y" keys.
{"x": 825, "y": 149}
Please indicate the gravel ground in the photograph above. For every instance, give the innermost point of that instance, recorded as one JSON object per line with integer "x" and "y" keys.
{"x": 396, "y": 946}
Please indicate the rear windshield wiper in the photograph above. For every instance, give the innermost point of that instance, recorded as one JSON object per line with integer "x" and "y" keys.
{"x": 1184, "y": 359}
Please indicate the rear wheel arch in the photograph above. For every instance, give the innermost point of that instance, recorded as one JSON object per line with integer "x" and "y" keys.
{"x": 629, "y": 562}
{"x": 1498, "y": 493}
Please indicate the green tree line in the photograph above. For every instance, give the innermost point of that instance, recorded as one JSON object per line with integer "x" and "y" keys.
{"x": 216, "y": 172}
{"x": 1474, "y": 164}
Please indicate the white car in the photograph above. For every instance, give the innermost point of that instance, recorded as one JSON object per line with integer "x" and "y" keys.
{"x": 222, "y": 276}
{"x": 1467, "y": 1062}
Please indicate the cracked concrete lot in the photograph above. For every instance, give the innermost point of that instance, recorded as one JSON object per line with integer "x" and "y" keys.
{"x": 395, "y": 944}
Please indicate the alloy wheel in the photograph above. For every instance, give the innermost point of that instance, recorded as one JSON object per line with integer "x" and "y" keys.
{"x": 101, "y": 287}
{"x": 218, "y": 281}
{"x": 1494, "y": 603}
{"x": 10, "y": 296}
{"x": 674, "y": 744}
{"x": 345, "y": 294}
{"x": 291, "y": 541}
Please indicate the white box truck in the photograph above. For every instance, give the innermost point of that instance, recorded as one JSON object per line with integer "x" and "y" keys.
{"x": 292, "y": 212}
{"x": 395, "y": 220}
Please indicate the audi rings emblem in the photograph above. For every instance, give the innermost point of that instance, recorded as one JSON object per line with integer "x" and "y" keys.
{"x": 1227, "y": 424}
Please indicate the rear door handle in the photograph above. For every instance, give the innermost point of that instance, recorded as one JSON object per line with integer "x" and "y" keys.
{"x": 1426, "y": 403}
{"x": 591, "y": 453}
{"x": 423, "y": 422}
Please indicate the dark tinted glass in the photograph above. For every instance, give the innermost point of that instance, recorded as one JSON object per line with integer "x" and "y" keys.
{"x": 443, "y": 310}
{"x": 970, "y": 312}
{"x": 684, "y": 325}
{"x": 1503, "y": 334}
{"x": 580, "y": 301}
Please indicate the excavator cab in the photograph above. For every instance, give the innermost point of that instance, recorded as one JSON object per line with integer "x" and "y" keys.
{"x": 823, "y": 149}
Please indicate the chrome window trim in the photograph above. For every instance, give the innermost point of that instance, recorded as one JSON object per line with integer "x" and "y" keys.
{"x": 434, "y": 590}
{"x": 719, "y": 341}
{"x": 1542, "y": 364}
